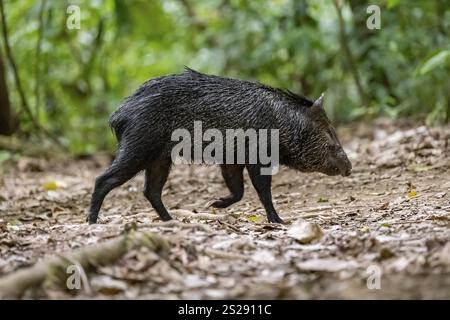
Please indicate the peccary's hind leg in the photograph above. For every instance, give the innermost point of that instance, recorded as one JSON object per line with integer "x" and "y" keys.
{"x": 262, "y": 184}
{"x": 121, "y": 170}
{"x": 155, "y": 177}
{"x": 234, "y": 179}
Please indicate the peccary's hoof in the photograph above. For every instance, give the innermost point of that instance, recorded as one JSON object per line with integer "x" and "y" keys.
{"x": 219, "y": 203}
{"x": 275, "y": 219}
{"x": 90, "y": 220}
{"x": 166, "y": 218}
{"x": 209, "y": 204}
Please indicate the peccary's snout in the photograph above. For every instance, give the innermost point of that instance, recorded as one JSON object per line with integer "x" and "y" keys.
{"x": 344, "y": 165}
{"x": 348, "y": 170}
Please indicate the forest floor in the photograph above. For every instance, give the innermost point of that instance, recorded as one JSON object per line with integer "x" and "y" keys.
{"x": 382, "y": 232}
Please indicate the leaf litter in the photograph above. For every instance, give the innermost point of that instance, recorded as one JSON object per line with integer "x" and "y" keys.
{"x": 393, "y": 212}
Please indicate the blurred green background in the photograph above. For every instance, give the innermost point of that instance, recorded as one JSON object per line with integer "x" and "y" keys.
{"x": 69, "y": 80}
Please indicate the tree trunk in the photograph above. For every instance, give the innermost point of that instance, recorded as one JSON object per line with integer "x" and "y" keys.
{"x": 349, "y": 55}
{"x": 6, "y": 120}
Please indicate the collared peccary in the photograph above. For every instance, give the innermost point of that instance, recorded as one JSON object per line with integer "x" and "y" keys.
{"x": 145, "y": 122}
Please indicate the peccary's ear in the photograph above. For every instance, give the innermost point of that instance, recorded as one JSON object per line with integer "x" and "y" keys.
{"x": 319, "y": 102}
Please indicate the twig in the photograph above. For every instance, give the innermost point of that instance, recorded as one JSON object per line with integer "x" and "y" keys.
{"x": 15, "y": 284}
{"x": 200, "y": 216}
{"x": 224, "y": 255}
{"x": 38, "y": 56}
{"x": 176, "y": 223}
{"x": 230, "y": 226}
{"x": 410, "y": 221}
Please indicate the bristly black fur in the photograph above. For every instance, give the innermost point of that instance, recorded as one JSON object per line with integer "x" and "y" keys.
{"x": 301, "y": 100}
{"x": 145, "y": 123}
{"x": 219, "y": 99}
{"x": 286, "y": 93}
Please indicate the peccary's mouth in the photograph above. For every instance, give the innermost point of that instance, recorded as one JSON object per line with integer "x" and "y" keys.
{"x": 332, "y": 171}
{"x": 335, "y": 170}
{"x": 346, "y": 171}
{"x": 345, "y": 168}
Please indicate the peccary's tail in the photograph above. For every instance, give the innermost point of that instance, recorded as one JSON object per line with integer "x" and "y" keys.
{"x": 143, "y": 98}
{"x": 117, "y": 123}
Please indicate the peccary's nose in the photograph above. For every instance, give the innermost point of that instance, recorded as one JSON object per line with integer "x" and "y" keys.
{"x": 347, "y": 172}
{"x": 344, "y": 164}
{"x": 348, "y": 169}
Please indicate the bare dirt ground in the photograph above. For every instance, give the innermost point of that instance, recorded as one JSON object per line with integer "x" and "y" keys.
{"x": 383, "y": 232}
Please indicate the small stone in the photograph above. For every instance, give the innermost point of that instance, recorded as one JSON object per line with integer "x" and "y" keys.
{"x": 305, "y": 232}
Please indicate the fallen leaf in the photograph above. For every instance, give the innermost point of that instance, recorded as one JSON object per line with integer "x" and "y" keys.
{"x": 50, "y": 185}
{"x": 254, "y": 218}
{"x": 440, "y": 195}
{"x": 108, "y": 286}
{"x": 14, "y": 225}
{"x": 439, "y": 218}
{"x": 195, "y": 281}
{"x": 327, "y": 265}
{"x": 384, "y": 206}
{"x": 264, "y": 256}
{"x": 412, "y": 193}
{"x": 385, "y": 253}
{"x": 376, "y": 193}
{"x": 364, "y": 229}
{"x": 421, "y": 168}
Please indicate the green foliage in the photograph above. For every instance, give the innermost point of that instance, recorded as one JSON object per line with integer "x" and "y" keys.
{"x": 440, "y": 59}
{"x": 4, "y": 156}
{"x": 81, "y": 76}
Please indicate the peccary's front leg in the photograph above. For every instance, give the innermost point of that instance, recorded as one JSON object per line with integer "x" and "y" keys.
{"x": 234, "y": 179}
{"x": 262, "y": 184}
{"x": 155, "y": 177}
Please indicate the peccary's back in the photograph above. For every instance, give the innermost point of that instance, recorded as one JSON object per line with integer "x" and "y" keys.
{"x": 164, "y": 104}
